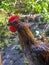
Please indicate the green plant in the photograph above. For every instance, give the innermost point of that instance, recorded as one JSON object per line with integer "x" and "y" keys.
{"x": 4, "y": 33}
{"x": 7, "y": 7}
{"x": 45, "y": 17}
{"x": 36, "y": 6}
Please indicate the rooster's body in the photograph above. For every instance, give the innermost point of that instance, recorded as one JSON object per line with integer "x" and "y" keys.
{"x": 30, "y": 46}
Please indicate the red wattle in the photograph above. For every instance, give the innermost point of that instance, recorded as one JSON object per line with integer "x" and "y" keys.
{"x": 12, "y": 29}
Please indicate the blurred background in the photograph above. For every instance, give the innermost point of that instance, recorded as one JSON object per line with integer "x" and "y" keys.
{"x": 22, "y": 8}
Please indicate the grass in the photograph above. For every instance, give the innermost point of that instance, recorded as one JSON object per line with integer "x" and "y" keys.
{"x": 3, "y": 18}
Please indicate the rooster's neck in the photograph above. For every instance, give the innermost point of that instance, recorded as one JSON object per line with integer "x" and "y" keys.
{"x": 26, "y": 34}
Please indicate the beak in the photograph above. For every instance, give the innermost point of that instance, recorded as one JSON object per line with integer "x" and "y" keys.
{"x": 8, "y": 24}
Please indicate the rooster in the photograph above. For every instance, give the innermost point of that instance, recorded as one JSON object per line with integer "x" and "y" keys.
{"x": 31, "y": 47}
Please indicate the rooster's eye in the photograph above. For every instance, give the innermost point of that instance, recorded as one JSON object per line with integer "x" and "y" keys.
{"x": 15, "y": 22}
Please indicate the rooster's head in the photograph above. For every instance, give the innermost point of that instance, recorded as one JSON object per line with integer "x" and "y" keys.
{"x": 14, "y": 23}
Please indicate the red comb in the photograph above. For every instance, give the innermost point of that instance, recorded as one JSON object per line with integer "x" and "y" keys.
{"x": 12, "y": 19}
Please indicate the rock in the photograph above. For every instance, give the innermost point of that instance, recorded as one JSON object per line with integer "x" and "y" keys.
{"x": 7, "y": 62}
{"x": 18, "y": 63}
{"x": 12, "y": 55}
